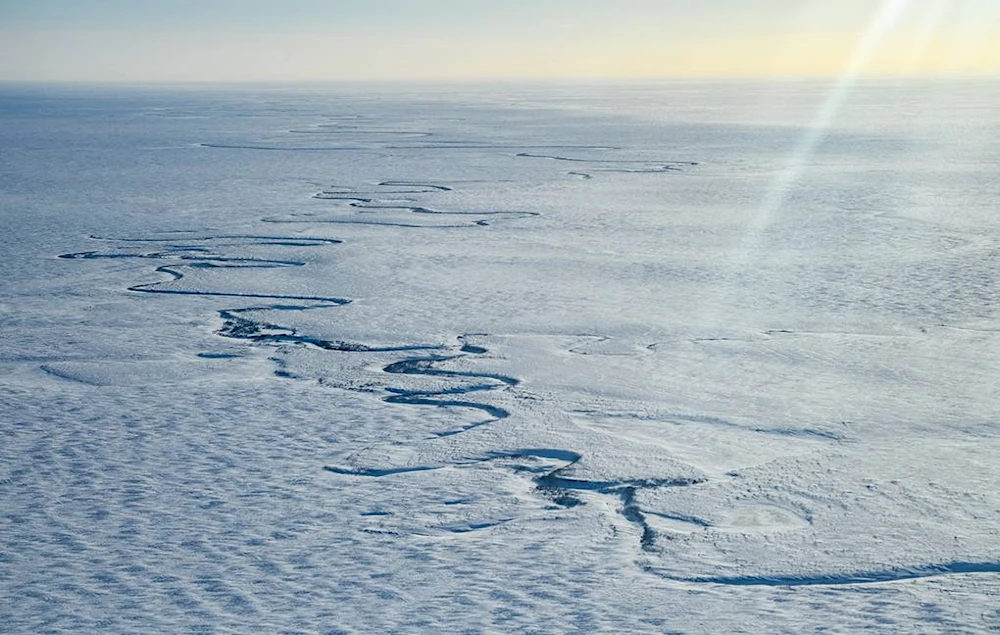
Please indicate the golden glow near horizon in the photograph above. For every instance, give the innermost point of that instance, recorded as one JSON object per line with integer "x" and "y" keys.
{"x": 928, "y": 37}
{"x": 455, "y": 40}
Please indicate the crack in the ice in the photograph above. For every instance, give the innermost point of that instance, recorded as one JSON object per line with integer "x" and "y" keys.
{"x": 832, "y": 579}
{"x": 556, "y": 484}
{"x": 829, "y": 435}
{"x": 245, "y": 239}
{"x": 552, "y": 483}
{"x": 370, "y": 201}
{"x": 202, "y": 261}
{"x": 335, "y": 129}
{"x": 226, "y": 146}
{"x": 237, "y": 325}
{"x": 642, "y": 166}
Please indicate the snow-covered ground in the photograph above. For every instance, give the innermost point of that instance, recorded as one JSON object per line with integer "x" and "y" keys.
{"x": 621, "y": 358}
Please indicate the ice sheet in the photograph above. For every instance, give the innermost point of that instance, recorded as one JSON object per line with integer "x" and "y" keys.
{"x": 499, "y": 359}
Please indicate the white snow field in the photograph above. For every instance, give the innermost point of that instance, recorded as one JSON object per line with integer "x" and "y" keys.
{"x": 634, "y": 358}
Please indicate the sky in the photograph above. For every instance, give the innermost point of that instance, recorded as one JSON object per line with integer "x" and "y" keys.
{"x": 316, "y": 40}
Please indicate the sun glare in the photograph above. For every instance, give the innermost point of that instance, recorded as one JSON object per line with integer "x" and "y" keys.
{"x": 880, "y": 26}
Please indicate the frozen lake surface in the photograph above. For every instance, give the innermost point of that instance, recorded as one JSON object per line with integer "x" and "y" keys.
{"x": 692, "y": 358}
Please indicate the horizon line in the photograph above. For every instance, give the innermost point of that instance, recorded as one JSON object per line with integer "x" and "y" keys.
{"x": 971, "y": 75}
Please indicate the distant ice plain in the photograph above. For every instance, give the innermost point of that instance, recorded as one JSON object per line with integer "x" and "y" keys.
{"x": 500, "y": 359}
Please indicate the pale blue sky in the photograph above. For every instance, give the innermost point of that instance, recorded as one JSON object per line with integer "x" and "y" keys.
{"x": 411, "y": 39}
{"x": 297, "y": 15}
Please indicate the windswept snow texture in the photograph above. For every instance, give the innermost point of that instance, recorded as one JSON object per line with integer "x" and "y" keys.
{"x": 484, "y": 360}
